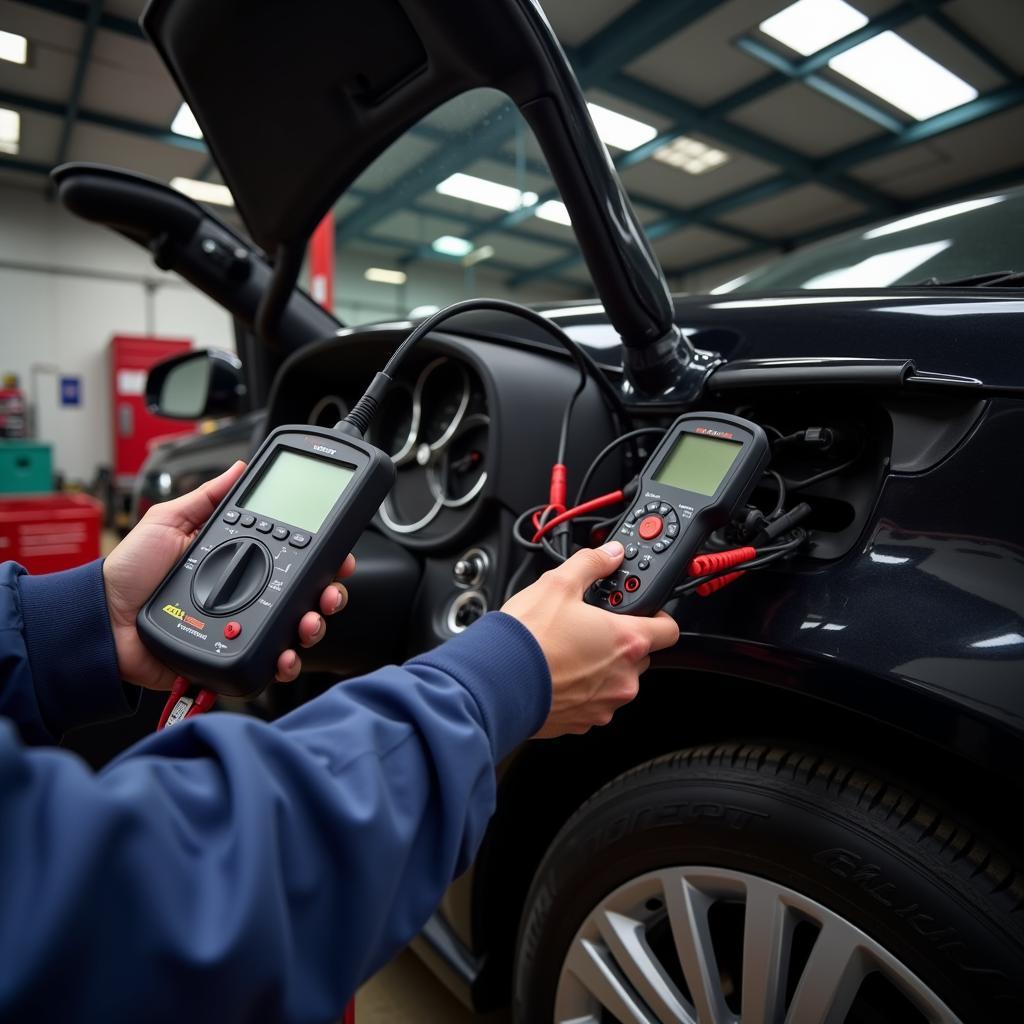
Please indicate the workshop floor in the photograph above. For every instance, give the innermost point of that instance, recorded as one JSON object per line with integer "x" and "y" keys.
{"x": 405, "y": 992}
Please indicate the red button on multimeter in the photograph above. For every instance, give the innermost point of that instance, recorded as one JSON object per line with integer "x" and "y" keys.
{"x": 232, "y": 629}
{"x": 650, "y": 527}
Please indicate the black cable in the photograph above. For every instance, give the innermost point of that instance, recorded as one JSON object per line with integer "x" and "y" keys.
{"x": 780, "y": 502}
{"x": 604, "y": 452}
{"x": 796, "y": 485}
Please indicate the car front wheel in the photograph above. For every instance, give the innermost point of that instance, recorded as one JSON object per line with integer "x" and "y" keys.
{"x": 760, "y": 884}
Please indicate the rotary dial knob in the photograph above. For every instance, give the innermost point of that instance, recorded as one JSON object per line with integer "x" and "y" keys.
{"x": 231, "y": 576}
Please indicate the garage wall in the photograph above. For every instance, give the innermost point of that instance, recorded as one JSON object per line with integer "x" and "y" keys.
{"x": 65, "y": 289}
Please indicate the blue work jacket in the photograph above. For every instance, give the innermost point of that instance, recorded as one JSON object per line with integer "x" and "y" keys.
{"x": 230, "y": 869}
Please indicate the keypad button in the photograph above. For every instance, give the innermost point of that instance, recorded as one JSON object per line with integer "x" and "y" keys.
{"x": 247, "y": 520}
{"x": 281, "y": 533}
{"x": 650, "y": 527}
{"x": 231, "y": 517}
{"x": 631, "y": 552}
{"x": 672, "y": 529}
{"x": 666, "y": 541}
{"x": 653, "y": 506}
{"x": 644, "y": 563}
{"x": 638, "y": 512}
{"x": 264, "y": 526}
{"x": 664, "y": 509}
{"x": 299, "y": 540}
{"x": 658, "y": 547}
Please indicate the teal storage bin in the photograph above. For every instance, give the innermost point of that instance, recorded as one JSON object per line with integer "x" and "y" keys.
{"x": 26, "y": 467}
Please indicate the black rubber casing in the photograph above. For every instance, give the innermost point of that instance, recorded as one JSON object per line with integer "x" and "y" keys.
{"x": 696, "y": 515}
{"x": 192, "y": 640}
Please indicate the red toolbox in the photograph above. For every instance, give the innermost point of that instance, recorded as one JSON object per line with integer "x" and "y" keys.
{"x": 49, "y": 532}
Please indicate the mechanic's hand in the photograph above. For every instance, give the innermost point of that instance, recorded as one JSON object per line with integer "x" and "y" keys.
{"x": 134, "y": 569}
{"x": 595, "y": 657}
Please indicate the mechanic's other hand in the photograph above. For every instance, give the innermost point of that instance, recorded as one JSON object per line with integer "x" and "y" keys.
{"x": 134, "y": 569}
{"x": 595, "y": 657}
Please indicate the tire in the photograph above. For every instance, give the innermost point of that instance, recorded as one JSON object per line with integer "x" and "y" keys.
{"x": 886, "y": 909}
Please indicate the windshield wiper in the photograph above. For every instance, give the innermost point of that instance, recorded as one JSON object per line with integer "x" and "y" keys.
{"x": 993, "y": 279}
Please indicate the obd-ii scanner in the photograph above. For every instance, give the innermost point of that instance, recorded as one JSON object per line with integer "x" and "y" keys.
{"x": 702, "y": 471}
{"x": 225, "y": 612}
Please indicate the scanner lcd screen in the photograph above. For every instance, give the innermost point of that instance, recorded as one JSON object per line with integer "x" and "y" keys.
{"x": 698, "y": 463}
{"x": 299, "y": 490}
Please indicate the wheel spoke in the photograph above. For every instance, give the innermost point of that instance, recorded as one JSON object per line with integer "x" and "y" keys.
{"x": 593, "y": 969}
{"x": 626, "y": 940}
{"x": 688, "y": 916}
{"x": 767, "y": 938}
{"x": 829, "y": 983}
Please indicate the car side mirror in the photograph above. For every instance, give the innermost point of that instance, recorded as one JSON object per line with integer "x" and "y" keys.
{"x": 196, "y": 385}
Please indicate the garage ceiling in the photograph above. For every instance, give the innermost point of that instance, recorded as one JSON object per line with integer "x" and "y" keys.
{"x": 808, "y": 152}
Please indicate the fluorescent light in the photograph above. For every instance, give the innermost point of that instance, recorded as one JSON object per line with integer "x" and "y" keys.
{"x": 618, "y": 130}
{"x": 486, "y": 193}
{"x": 478, "y": 255}
{"x": 810, "y": 25}
{"x": 185, "y": 123}
{"x": 880, "y": 270}
{"x": 10, "y": 130}
{"x": 381, "y": 276}
{"x": 691, "y": 155}
{"x": 421, "y": 311}
{"x": 902, "y": 75}
{"x": 1005, "y": 640}
{"x": 555, "y": 211}
{"x": 449, "y": 245}
{"x": 929, "y": 216}
{"x": 204, "y": 191}
{"x": 13, "y": 47}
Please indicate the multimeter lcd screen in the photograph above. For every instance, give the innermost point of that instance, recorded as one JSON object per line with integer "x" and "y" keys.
{"x": 698, "y": 463}
{"x": 299, "y": 490}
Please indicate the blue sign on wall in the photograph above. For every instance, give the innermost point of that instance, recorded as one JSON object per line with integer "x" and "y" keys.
{"x": 71, "y": 391}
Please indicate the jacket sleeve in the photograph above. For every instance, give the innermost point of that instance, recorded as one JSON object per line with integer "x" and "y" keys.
{"x": 228, "y": 869}
{"x": 58, "y": 666}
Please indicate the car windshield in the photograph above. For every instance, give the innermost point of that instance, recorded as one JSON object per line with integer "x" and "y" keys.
{"x": 963, "y": 239}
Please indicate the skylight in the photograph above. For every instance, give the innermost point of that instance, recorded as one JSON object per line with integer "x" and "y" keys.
{"x": 185, "y": 123}
{"x": 810, "y": 25}
{"x": 555, "y": 211}
{"x": 10, "y": 131}
{"x": 450, "y": 245}
{"x": 486, "y": 193}
{"x": 13, "y": 47}
{"x": 618, "y": 130}
{"x": 902, "y": 75}
{"x": 379, "y": 275}
{"x": 691, "y": 155}
{"x": 204, "y": 191}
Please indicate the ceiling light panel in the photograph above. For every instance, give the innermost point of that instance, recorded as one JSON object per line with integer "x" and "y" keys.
{"x": 380, "y": 275}
{"x": 620, "y": 131}
{"x": 904, "y": 76}
{"x": 691, "y": 155}
{"x": 486, "y": 193}
{"x": 13, "y": 47}
{"x": 10, "y": 131}
{"x": 185, "y": 123}
{"x": 450, "y": 245}
{"x": 810, "y": 25}
{"x": 204, "y": 191}
{"x": 555, "y": 211}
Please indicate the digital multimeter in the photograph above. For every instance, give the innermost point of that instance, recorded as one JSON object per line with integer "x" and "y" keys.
{"x": 224, "y": 613}
{"x": 703, "y": 469}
